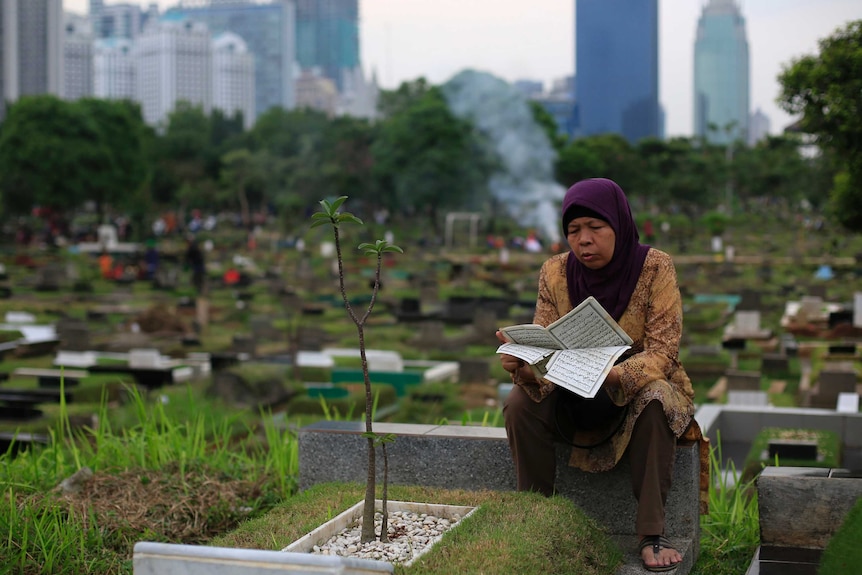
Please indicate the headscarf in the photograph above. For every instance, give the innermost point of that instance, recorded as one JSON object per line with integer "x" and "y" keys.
{"x": 613, "y": 284}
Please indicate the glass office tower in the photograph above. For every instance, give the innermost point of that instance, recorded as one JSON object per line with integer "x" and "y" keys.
{"x": 721, "y": 76}
{"x": 616, "y": 62}
{"x": 268, "y": 31}
{"x": 328, "y": 37}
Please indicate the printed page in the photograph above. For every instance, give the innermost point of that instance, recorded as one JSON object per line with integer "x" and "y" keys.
{"x": 530, "y": 354}
{"x": 583, "y": 371}
{"x": 588, "y": 325}
{"x": 531, "y": 334}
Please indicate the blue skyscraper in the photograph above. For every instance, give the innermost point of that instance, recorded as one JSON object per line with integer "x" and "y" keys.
{"x": 616, "y": 49}
{"x": 721, "y": 77}
{"x": 268, "y": 31}
{"x": 328, "y": 37}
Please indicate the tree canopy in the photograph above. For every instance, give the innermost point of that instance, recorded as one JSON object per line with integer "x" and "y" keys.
{"x": 826, "y": 89}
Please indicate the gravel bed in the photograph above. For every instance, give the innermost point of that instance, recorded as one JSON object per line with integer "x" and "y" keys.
{"x": 410, "y": 535}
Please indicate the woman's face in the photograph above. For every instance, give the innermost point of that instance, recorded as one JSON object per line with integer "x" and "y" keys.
{"x": 592, "y": 240}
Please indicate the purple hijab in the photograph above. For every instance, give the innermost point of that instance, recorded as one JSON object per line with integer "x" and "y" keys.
{"x": 613, "y": 284}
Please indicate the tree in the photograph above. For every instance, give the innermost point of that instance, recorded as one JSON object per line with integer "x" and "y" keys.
{"x": 826, "y": 89}
{"x": 123, "y": 170}
{"x": 330, "y": 215}
{"x": 425, "y": 157}
{"x": 544, "y": 119}
{"x": 241, "y": 170}
{"x": 49, "y": 151}
{"x": 181, "y": 158}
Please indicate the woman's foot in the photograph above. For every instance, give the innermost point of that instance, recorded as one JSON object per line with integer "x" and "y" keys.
{"x": 658, "y": 554}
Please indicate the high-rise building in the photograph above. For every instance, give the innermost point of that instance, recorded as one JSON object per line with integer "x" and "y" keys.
{"x": 31, "y": 49}
{"x": 77, "y": 57}
{"x": 758, "y": 127}
{"x": 316, "y": 92}
{"x": 173, "y": 63}
{"x": 114, "y": 69}
{"x": 721, "y": 74}
{"x": 327, "y": 38}
{"x": 359, "y": 96}
{"x": 268, "y": 29}
{"x": 616, "y": 60}
{"x": 233, "y": 77}
{"x": 125, "y": 20}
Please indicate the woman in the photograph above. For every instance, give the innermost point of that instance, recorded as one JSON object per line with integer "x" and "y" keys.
{"x": 646, "y": 400}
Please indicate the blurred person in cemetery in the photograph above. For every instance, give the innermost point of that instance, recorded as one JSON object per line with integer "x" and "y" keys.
{"x": 197, "y": 264}
{"x": 151, "y": 260}
{"x": 645, "y": 403}
{"x": 106, "y": 265}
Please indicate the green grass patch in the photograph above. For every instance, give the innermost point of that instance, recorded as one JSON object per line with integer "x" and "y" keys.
{"x": 843, "y": 553}
{"x": 510, "y": 534}
{"x": 731, "y": 532}
{"x": 828, "y": 449}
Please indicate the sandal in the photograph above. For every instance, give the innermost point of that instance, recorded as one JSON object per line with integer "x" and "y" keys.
{"x": 657, "y": 542}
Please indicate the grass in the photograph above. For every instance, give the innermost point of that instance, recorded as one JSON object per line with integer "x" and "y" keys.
{"x": 181, "y": 443}
{"x": 511, "y": 533}
{"x": 731, "y": 532}
{"x": 828, "y": 449}
{"x": 209, "y": 478}
{"x": 843, "y": 550}
{"x": 178, "y": 479}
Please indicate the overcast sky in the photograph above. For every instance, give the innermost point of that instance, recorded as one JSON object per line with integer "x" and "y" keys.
{"x": 514, "y": 39}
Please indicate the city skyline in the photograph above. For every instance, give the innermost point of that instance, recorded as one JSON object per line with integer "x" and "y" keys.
{"x": 405, "y": 39}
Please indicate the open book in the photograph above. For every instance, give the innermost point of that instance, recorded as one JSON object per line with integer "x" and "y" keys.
{"x": 575, "y": 352}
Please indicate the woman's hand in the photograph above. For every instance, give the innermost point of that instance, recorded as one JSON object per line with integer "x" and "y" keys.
{"x": 509, "y": 362}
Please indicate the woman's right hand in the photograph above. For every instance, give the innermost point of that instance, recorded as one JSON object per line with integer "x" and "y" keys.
{"x": 509, "y": 362}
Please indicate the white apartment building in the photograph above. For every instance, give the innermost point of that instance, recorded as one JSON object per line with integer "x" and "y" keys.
{"x": 31, "y": 49}
{"x": 174, "y": 63}
{"x": 233, "y": 77}
{"x": 77, "y": 57}
{"x": 114, "y": 69}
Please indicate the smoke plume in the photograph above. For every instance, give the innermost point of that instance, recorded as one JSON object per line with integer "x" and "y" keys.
{"x": 525, "y": 184}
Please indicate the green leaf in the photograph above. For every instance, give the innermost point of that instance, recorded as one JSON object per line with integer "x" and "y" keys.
{"x": 337, "y": 203}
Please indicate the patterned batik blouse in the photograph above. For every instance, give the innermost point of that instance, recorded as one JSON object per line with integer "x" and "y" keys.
{"x": 650, "y": 370}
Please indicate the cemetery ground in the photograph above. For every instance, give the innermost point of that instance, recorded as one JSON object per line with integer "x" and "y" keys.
{"x": 211, "y": 458}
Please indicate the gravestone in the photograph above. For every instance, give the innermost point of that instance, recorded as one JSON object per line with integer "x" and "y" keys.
{"x": 805, "y": 449}
{"x": 485, "y": 325}
{"x": 738, "y": 380}
{"x": 243, "y": 344}
{"x": 409, "y": 308}
{"x": 263, "y": 330}
{"x": 831, "y": 383}
{"x": 810, "y": 309}
{"x": 166, "y": 278}
{"x": 431, "y": 335}
{"x": 74, "y": 334}
{"x": 789, "y": 345}
{"x": 747, "y": 324}
{"x": 50, "y": 277}
{"x": 818, "y": 291}
{"x": 774, "y": 363}
{"x": 748, "y": 398}
{"x": 474, "y": 371}
{"x": 460, "y": 309}
{"x": 310, "y": 338}
{"x": 429, "y": 293}
{"x": 750, "y": 301}
{"x": 847, "y": 348}
{"x": 699, "y": 350}
{"x": 145, "y": 358}
{"x": 847, "y": 403}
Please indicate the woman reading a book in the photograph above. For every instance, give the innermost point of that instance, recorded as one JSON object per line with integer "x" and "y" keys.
{"x": 645, "y": 403}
